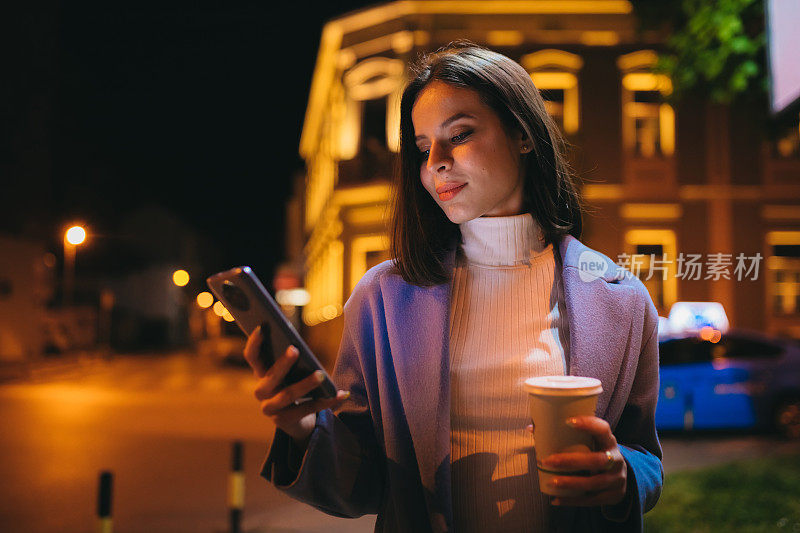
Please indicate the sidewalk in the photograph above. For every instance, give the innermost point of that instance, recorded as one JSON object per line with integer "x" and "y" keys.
{"x": 44, "y": 365}
{"x": 48, "y": 366}
{"x": 296, "y": 517}
{"x": 690, "y": 452}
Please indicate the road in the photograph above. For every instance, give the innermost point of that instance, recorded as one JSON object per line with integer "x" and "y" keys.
{"x": 164, "y": 425}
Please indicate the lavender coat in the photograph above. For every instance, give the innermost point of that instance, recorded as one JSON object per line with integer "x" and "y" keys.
{"x": 387, "y": 449}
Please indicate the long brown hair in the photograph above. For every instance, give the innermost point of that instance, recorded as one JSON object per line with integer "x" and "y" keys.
{"x": 421, "y": 233}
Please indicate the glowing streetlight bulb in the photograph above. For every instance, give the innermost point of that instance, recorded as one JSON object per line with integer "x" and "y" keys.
{"x": 205, "y": 300}
{"x": 75, "y": 235}
{"x": 72, "y": 238}
{"x": 180, "y": 278}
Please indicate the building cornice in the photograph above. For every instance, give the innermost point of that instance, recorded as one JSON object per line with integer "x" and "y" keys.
{"x": 334, "y": 31}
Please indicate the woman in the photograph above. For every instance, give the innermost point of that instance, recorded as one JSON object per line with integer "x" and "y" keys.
{"x": 488, "y": 286}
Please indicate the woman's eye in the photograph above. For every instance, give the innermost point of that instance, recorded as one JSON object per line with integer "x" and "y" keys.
{"x": 460, "y": 137}
{"x": 454, "y": 139}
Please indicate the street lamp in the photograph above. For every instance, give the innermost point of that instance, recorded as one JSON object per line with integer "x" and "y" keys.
{"x": 73, "y": 237}
{"x": 183, "y": 320}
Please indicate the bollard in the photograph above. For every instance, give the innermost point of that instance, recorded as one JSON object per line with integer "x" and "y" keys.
{"x": 104, "y": 502}
{"x": 236, "y": 489}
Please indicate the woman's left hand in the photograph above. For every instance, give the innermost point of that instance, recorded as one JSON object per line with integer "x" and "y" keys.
{"x": 607, "y": 484}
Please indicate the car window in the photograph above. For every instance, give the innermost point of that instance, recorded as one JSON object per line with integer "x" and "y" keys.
{"x": 741, "y": 348}
{"x": 684, "y": 351}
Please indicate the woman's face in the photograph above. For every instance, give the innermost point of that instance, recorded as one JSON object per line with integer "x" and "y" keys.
{"x": 470, "y": 165}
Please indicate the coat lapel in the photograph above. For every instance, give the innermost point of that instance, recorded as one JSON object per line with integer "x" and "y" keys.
{"x": 600, "y": 313}
{"x": 418, "y": 329}
{"x": 600, "y": 317}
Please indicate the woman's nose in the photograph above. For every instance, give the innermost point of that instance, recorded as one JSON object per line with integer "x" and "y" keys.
{"x": 439, "y": 160}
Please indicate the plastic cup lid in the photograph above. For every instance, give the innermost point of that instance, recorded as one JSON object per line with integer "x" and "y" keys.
{"x": 563, "y": 386}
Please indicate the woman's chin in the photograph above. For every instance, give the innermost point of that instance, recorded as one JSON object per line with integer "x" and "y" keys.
{"x": 459, "y": 217}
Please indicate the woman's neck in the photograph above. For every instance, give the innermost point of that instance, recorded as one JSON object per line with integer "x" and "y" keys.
{"x": 502, "y": 241}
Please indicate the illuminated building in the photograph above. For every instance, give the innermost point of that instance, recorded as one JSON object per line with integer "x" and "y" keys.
{"x": 696, "y": 179}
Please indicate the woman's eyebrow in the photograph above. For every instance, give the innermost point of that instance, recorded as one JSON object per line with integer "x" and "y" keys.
{"x": 448, "y": 121}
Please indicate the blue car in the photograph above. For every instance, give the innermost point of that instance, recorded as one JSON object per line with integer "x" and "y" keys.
{"x": 743, "y": 380}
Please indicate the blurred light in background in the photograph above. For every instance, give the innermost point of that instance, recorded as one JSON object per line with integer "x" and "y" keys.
{"x": 219, "y": 309}
{"x": 226, "y": 316}
{"x": 707, "y": 333}
{"x": 298, "y": 297}
{"x": 329, "y": 312}
{"x": 75, "y": 235}
{"x": 695, "y": 317}
{"x": 50, "y": 260}
{"x": 205, "y": 300}
{"x": 505, "y": 37}
{"x": 180, "y": 278}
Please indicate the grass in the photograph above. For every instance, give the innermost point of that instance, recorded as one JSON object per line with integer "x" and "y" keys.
{"x": 751, "y": 496}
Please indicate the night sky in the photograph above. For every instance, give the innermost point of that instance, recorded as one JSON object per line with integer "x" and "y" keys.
{"x": 195, "y": 108}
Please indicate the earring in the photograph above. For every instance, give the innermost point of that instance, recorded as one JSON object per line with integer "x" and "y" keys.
{"x": 524, "y": 148}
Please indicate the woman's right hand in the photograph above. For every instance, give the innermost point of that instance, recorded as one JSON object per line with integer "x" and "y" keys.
{"x": 277, "y": 402}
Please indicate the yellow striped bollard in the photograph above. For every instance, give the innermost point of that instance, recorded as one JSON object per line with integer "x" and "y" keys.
{"x": 104, "y": 502}
{"x": 236, "y": 488}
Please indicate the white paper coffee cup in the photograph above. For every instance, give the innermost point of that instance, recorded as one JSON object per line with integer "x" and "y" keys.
{"x": 552, "y": 400}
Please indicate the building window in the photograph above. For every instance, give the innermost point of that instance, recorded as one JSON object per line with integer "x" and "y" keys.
{"x": 651, "y": 256}
{"x": 783, "y": 267}
{"x": 367, "y": 112}
{"x": 554, "y": 103}
{"x": 371, "y": 105}
{"x": 366, "y": 251}
{"x": 644, "y": 112}
{"x": 373, "y": 125}
{"x": 555, "y": 74}
{"x": 648, "y": 124}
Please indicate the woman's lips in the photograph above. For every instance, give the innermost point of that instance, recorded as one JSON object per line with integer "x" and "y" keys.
{"x": 446, "y": 195}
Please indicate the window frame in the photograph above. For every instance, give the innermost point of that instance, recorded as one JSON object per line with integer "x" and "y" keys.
{"x": 553, "y": 69}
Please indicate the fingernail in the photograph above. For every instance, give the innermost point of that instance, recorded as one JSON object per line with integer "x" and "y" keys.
{"x": 572, "y": 422}
{"x": 319, "y": 376}
{"x": 294, "y": 352}
{"x": 345, "y": 395}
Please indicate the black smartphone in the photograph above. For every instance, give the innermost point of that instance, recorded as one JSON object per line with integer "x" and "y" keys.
{"x": 243, "y": 295}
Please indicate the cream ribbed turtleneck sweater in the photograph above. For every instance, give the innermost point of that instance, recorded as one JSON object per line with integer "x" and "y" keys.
{"x": 506, "y": 324}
